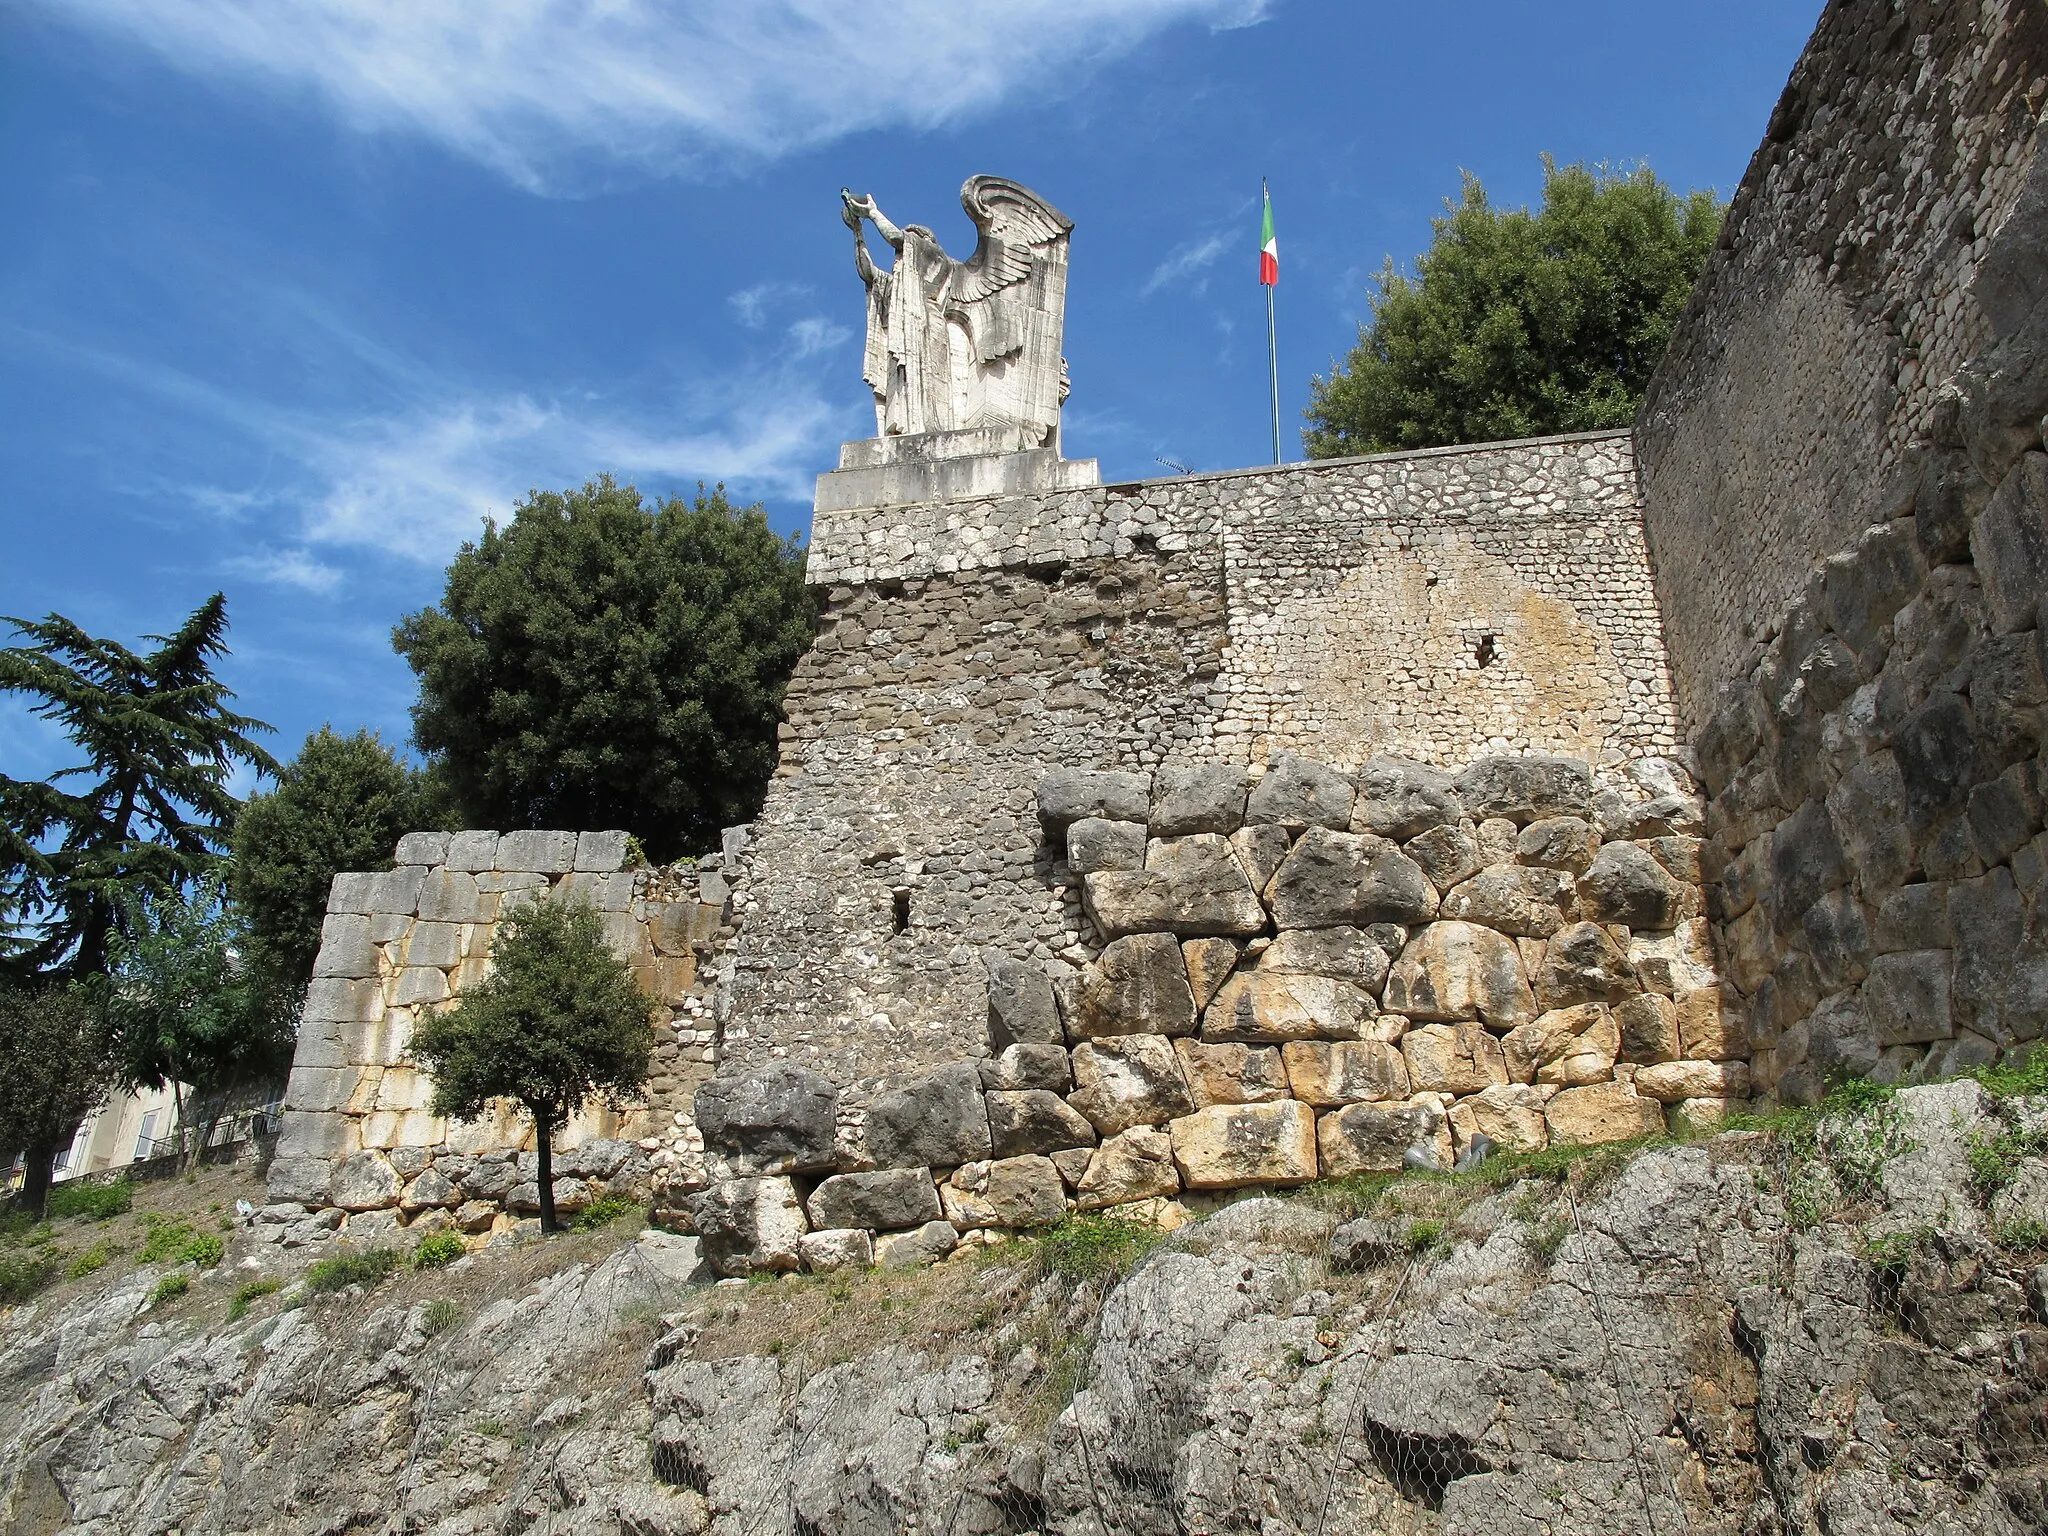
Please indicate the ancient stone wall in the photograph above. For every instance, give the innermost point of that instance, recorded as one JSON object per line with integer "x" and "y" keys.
{"x": 1840, "y": 299}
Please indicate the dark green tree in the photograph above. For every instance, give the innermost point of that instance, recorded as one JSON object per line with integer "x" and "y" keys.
{"x": 559, "y": 1020}
{"x": 600, "y": 663}
{"x": 57, "y": 1065}
{"x": 1518, "y": 324}
{"x": 341, "y": 804}
{"x": 145, "y": 811}
{"x": 188, "y": 1009}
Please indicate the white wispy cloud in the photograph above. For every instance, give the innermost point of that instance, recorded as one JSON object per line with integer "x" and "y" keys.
{"x": 535, "y": 89}
{"x": 750, "y": 306}
{"x": 287, "y": 568}
{"x": 1185, "y": 261}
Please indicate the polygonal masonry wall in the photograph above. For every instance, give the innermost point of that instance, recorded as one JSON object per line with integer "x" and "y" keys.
{"x": 1304, "y": 974}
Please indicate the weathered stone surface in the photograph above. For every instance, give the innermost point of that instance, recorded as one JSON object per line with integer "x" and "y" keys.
{"x": 1027, "y": 1066}
{"x": 779, "y": 1119}
{"x": 1208, "y": 893}
{"x": 1453, "y": 971}
{"x": 750, "y": 1226}
{"x": 1197, "y": 797}
{"x": 1566, "y": 1046}
{"x": 1583, "y": 964}
{"x": 1138, "y": 987}
{"x": 843, "y": 1248}
{"x": 1402, "y": 799}
{"x": 1034, "y": 1120}
{"x": 450, "y": 896}
{"x": 1526, "y": 789}
{"x": 1123, "y": 902}
{"x": 1127, "y": 1080}
{"x": 538, "y": 853}
{"x": 418, "y": 984}
{"x": 1999, "y": 986}
{"x": 1528, "y": 902}
{"x": 307, "y": 1180}
{"x": 1344, "y": 952}
{"x": 1260, "y": 852}
{"x": 1209, "y": 963}
{"x": 600, "y": 853}
{"x": 911, "y": 1250}
{"x": 885, "y": 1200}
{"x": 1373, "y": 1138}
{"x": 430, "y": 1189}
{"x": 2009, "y": 545}
{"x": 1016, "y": 1192}
{"x": 1344, "y": 1072}
{"x": 1269, "y": 1007}
{"x": 422, "y": 848}
{"x": 1603, "y": 1112}
{"x": 1065, "y": 795}
{"x": 1937, "y": 752}
{"x": 1136, "y": 1165}
{"x": 1649, "y": 1028}
{"x": 1447, "y": 854}
{"x": 473, "y": 851}
{"x": 1231, "y": 1073}
{"x": 939, "y": 1121}
{"x": 1673, "y": 1081}
{"x": 1021, "y": 1009}
{"x": 1097, "y": 846}
{"x": 1912, "y": 917}
{"x": 1452, "y": 1058}
{"x": 1558, "y": 842}
{"x": 1907, "y": 997}
{"x": 1625, "y": 885}
{"x": 1332, "y": 878}
{"x": 1231, "y": 1145}
{"x": 365, "y": 1181}
{"x": 1297, "y": 792}
{"x": 346, "y": 951}
{"x": 1510, "y": 1116}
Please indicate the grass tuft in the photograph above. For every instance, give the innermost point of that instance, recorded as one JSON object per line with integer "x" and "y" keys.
{"x": 439, "y": 1316}
{"x": 1092, "y": 1247}
{"x": 170, "y": 1288}
{"x": 247, "y": 1295}
{"x": 602, "y": 1212}
{"x": 366, "y": 1269}
{"x": 23, "y": 1274}
{"x": 96, "y": 1202}
{"x": 438, "y": 1248}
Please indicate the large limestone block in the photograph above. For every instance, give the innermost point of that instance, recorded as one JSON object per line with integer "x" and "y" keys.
{"x": 451, "y": 896}
{"x": 1209, "y": 963}
{"x": 1138, "y": 987}
{"x": 1627, "y": 886}
{"x": 1671, "y": 1082}
{"x": 1136, "y": 1165}
{"x": 472, "y": 852}
{"x": 418, "y": 984}
{"x": 1122, "y": 902}
{"x": 1401, "y": 799}
{"x": 1332, "y": 878}
{"x": 435, "y": 944}
{"x": 430, "y": 1190}
{"x": 1262, "y": 1007}
{"x": 537, "y": 853}
{"x": 1231, "y": 1145}
{"x": 1452, "y": 971}
{"x": 1128, "y": 1080}
{"x": 1232, "y": 1073}
{"x": 824, "y": 1252}
{"x": 302, "y": 1179}
{"x": 1347, "y": 953}
{"x": 1021, "y": 1010}
{"x": 2009, "y": 545}
{"x": 1328, "y": 1073}
{"x": 601, "y": 853}
{"x": 1517, "y": 899}
{"x": 889, "y": 1199}
{"x": 1674, "y": 963}
{"x": 422, "y": 848}
{"x": 1906, "y": 997}
{"x": 939, "y": 1121}
{"x": 1034, "y": 1120}
{"x": 1510, "y": 1116}
{"x": 1374, "y": 1138}
{"x": 750, "y": 1226}
{"x": 1096, "y": 845}
{"x": 1297, "y": 792}
{"x": 1649, "y": 1029}
{"x": 912, "y": 1250}
{"x": 778, "y": 1119}
{"x": 1065, "y": 795}
{"x": 1603, "y": 1112}
{"x": 1449, "y": 855}
{"x": 1999, "y": 987}
{"x": 1585, "y": 1029}
{"x": 1583, "y": 964}
{"x": 343, "y": 1000}
{"x": 1197, "y": 797}
{"x": 1027, "y": 1066}
{"x": 392, "y": 892}
{"x": 1260, "y": 852}
{"x": 1558, "y": 842}
{"x": 1526, "y": 789}
{"x": 1207, "y": 892}
{"x": 1711, "y": 1026}
{"x": 1453, "y": 1058}
{"x": 346, "y": 950}
{"x": 1015, "y": 1192}
{"x": 366, "y": 1182}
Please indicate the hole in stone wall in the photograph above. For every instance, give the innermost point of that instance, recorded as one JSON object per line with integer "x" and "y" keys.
{"x": 899, "y": 913}
{"x": 1485, "y": 652}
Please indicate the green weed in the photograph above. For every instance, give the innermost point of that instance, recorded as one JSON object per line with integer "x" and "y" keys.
{"x": 170, "y": 1288}
{"x": 438, "y": 1316}
{"x": 247, "y": 1295}
{"x": 22, "y": 1275}
{"x": 97, "y": 1202}
{"x": 1994, "y": 1158}
{"x": 1423, "y": 1236}
{"x": 2022, "y": 1235}
{"x": 438, "y": 1248}
{"x": 366, "y": 1269}
{"x": 602, "y": 1212}
{"x": 1092, "y": 1247}
{"x": 2024, "y": 1078}
{"x": 90, "y": 1260}
{"x": 1889, "y": 1255}
{"x": 172, "y": 1241}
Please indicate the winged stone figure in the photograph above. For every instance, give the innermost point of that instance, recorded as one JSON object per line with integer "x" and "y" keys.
{"x": 956, "y": 345}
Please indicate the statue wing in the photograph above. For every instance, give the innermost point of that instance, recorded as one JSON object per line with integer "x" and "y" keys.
{"x": 1018, "y": 228}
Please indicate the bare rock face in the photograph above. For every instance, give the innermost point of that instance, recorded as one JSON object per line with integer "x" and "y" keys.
{"x": 780, "y": 1119}
{"x": 1402, "y": 799}
{"x": 824, "y": 1252}
{"x": 885, "y": 1200}
{"x": 1139, "y": 986}
{"x": 1128, "y": 1080}
{"x": 1374, "y": 1138}
{"x": 910, "y": 1250}
{"x": 1263, "y": 1007}
{"x": 939, "y": 1121}
{"x": 1015, "y": 1192}
{"x": 1096, "y": 845}
{"x": 1526, "y": 789}
{"x": 1232, "y": 1073}
{"x": 1297, "y": 793}
{"x": 1515, "y": 899}
{"x": 750, "y": 1226}
{"x": 1197, "y": 797}
{"x": 1452, "y": 971}
{"x": 1626, "y": 885}
{"x": 1344, "y": 1072}
{"x": 1332, "y": 878}
{"x": 1035, "y": 1120}
{"x": 1230, "y": 1145}
{"x": 1208, "y": 893}
{"x": 1509, "y": 1115}
{"x": 1209, "y": 963}
{"x": 1449, "y": 854}
{"x": 1021, "y": 1009}
{"x": 1603, "y": 1112}
{"x": 1135, "y": 1165}
{"x": 1559, "y": 842}
{"x": 1453, "y": 1058}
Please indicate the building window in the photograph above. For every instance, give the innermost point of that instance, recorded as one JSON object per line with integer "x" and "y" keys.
{"x": 144, "y": 1137}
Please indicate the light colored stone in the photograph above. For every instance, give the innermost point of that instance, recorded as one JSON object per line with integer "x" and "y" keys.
{"x": 1374, "y": 1138}
{"x": 450, "y": 896}
{"x": 1602, "y": 1113}
{"x": 602, "y": 852}
{"x": 1355, "y": 879}
{"x": 886, "y": 1199}
{"x": 1582, "y": 963}
{"x": 1710, "y": 1024}
{"x": 422, "y": 848}
{"x": 1587, "y": 1057}
{"x": 1208, "y": 893}
{"x": 1138, "y": 986}
{"x": 1016, "y": 1192}
{"x": 750, "y": 1226}
{"x": 1261, "y": 1007}
{"x": 365, "y": 1181}
{"x": 1452, "y": 1058}
{"x": 1526, "y": 789}
{"x": 1197, "y": 797}
{"x": 1514, "y": 899}
{"x": 1260, "y": 852}
{"x": 1209, "y": 963}
{"x": 1124, "y": 902}
{"x": 473, "y": 851}
{"x": 1585, "y": 1029}
{"x": 1135, "y": 1165}
{"x": 1128, "y": 1080}
{"x": 1701, "y": 1117}
{"x": 1453, "y": 971}
{"x": 1231, "y": 1145}
{"x": 1401, "y": 799}
{"x": 911, "y": 1250}
{"x": 1449, "y": 854}
{"x": 1297, "y": 792}
{"x": 539, "y": 853}
{"x": 1343, "y": 952}
{"x": 346, "y": 951}
{"x": 1509, "y": 1115}
{"x": 1021, "y": 1067}
{"x": 430, "y": 1189}
{"x": 1670, "y": 1082}
{"x": 1232, "y": 1073}
{"x": 1344, "y": 1072}
{"x": 836, "y": 1249}
{"x": 1097, "y": 845}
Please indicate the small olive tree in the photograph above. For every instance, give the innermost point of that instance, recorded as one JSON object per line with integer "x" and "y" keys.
{"x": 559, "y": 1020}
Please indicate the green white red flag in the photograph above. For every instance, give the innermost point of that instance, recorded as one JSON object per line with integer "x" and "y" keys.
{"x": 1269, "y": 252}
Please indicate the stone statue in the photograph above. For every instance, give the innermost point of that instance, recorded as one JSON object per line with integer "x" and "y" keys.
{"x": 964, "y": 345}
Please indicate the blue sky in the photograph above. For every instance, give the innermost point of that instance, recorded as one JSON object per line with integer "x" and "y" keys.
{"x": 293, "y": 295}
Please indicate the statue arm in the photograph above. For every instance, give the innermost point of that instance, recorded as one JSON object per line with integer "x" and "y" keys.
{"x": 884, "y": 228}
{"x": 863, "y": 263}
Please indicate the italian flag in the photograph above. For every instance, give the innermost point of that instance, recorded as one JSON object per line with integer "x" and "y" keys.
{"x": 1269, "y": 251}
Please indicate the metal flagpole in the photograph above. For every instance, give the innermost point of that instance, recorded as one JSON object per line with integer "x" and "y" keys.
{"x": 1272, "y": 341}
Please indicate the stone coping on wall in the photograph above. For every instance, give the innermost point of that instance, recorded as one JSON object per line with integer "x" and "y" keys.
{"x": 1302, "y": 974}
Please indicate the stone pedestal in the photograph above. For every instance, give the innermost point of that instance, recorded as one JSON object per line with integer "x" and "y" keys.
{"x": 946, "y": 466}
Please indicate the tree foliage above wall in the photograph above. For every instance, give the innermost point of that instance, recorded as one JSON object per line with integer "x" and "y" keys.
{"x": 601, "y": 663}
{"x": 1520, "y": 324}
